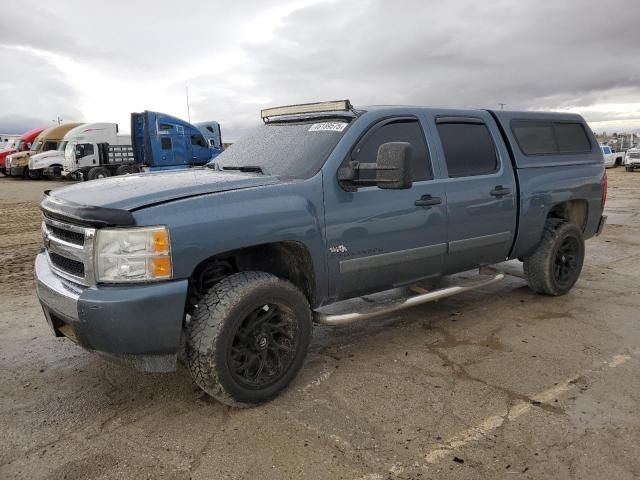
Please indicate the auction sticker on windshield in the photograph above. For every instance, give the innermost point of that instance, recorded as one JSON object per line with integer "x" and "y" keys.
{"x": 328, "y": 127}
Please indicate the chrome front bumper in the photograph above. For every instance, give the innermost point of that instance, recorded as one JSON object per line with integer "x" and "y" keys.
{"x": 56, "y": 294}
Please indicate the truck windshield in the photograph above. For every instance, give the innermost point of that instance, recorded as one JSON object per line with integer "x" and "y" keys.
{"x": 69, "y": 151}
{"x": 290, "y": 150}
{"x": 35, "y": 146}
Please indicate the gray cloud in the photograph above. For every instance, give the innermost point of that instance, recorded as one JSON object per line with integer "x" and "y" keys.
{"x": 33, "y": 93}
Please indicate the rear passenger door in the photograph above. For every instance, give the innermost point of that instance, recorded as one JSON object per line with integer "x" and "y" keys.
{"x": 480, "y": 190}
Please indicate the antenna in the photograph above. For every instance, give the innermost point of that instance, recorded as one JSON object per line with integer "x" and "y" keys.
{"x": 502, "y": 105}
{"x": 59, "y": 120}
{"x": 186, "y": 91}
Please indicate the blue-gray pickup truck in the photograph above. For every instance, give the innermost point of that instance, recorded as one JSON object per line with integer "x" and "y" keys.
{"x": 230, "y": 264}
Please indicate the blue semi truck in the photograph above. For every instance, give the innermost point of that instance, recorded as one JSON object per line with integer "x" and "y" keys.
{"x": 157, "y": 142}
{"x": 321, "y": 204}
{"x": 164, "y": 142}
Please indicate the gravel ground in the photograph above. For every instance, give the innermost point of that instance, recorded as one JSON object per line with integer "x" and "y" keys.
{"x": 496, "y": 383}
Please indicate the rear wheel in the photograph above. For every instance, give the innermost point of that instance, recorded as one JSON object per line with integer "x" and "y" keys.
{"x": 98, "y": 172}
{"x": 555, "y": 265}
{"x": 126, "y": 170}
{"x": 248, "y": 338}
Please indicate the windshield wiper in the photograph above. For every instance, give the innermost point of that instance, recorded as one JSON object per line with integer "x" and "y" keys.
{"x": 245, "y": 168}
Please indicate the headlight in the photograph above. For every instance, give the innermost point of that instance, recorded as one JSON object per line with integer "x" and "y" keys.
{"x": 132, "y": 254}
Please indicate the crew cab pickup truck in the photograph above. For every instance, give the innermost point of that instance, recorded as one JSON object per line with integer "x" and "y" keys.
{"x": 233, "y": 262}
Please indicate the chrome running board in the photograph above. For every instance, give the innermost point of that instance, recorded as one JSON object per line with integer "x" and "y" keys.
{"x": 375, "y": 309}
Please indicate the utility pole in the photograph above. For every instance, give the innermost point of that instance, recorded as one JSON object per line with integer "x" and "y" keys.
{"x": 502, "y": 105}
{"x": 186, "y": 91}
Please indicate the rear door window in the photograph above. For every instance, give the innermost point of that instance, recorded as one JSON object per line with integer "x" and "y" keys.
{"x": 468, "y": 149}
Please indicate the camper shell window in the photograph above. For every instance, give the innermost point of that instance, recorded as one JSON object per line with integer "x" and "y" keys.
{"x": 541, "y": 137}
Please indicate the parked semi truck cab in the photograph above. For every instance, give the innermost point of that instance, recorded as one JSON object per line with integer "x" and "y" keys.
{"x": 161, "y": 141}
{"x": 48, "y": 141}
{"x": 20, "y": 145}
{"x": 212, "y": 134}
{"x": 96, "y": 150}
{"x": 321, "y": 204}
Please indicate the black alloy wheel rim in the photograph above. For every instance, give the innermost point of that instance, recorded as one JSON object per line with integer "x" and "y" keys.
{"x": 566, "y": 262}
{"x": 264, "y": 347}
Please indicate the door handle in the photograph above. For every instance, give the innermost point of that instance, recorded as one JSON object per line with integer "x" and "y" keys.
{"x": 427, "y": 201}
{"x": 500, "y": 191}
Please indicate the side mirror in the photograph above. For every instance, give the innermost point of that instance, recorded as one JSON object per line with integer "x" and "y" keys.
{"x": 394, "y": 166}
{"x": 392, "y": 169}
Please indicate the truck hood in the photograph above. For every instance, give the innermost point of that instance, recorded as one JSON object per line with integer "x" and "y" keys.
{"x": 44, "y": 159}
{"x": 19, "y": 159}
{"x": 129, "y": 192}
{"x": 7, "y": 151}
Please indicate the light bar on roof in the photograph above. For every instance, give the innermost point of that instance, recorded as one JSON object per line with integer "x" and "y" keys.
{"x": 319, "y": 107}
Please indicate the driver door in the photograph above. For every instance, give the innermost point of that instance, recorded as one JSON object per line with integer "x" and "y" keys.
{"x": 378, "y": 239}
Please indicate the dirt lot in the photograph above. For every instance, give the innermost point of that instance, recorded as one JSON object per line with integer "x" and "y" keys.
{"x": 498, "y": 383}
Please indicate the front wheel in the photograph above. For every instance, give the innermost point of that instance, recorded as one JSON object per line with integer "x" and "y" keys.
{"x": 248, "y": 338}
{"x": 629, "y": 169}
{"x": 33, "y": 174}
{"x": 555, "y": 265}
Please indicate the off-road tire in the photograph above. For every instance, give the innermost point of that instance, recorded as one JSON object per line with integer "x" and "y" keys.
{"x": 214, "y": 327}
{"x": 98, "y": 172}
{"x": 539, "y": 265}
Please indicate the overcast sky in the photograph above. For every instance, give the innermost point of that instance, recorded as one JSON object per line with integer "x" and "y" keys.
{"x": 99, "y": 61}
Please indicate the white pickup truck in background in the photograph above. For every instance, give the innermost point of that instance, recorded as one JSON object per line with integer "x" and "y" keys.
{"x": 632, "y": 159}
{"x": 611, "y": 157}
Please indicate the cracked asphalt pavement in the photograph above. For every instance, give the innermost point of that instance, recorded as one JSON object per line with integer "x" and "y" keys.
{"x": 495, "y": 383}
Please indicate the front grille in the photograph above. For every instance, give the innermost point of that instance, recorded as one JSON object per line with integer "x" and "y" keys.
{"x": 76, "y": 238}
{"x": 70, "y": 249}
{"x": 634, "y": 155}
{"x": 67, "y": 265}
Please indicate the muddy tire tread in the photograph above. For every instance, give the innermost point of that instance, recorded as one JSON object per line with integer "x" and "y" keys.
{"x": 207, "y": 323}
{"x": 537, "y": 265}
